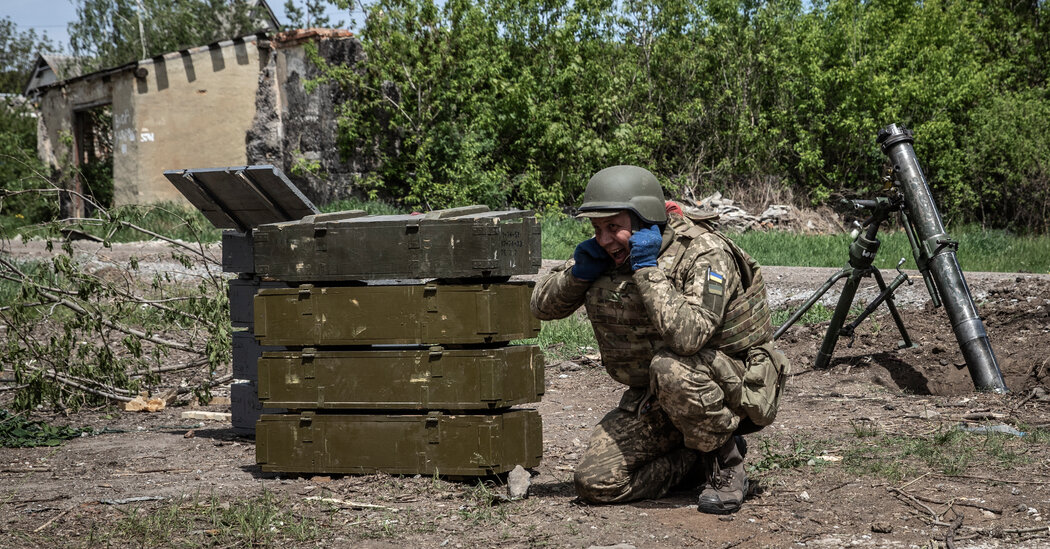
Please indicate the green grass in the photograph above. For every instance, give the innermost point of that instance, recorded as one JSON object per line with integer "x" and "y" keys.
{"x": 816, "y": 314}
{"x": 948, "y": 451}
{"x": 561, "y": 234}
{"x": 979, "y": 250}
{"x": 166, "y": 219}
{"x": 565, "y": 338}
{"x": 261, "y": 520}
{"x": 373, "y": 207}
{"x": 799, "y": 452}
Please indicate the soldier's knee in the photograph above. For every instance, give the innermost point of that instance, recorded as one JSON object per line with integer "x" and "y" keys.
{"x": 595, "y": 486}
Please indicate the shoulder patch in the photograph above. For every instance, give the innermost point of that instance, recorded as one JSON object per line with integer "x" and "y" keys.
{"x": 715, "y": 282}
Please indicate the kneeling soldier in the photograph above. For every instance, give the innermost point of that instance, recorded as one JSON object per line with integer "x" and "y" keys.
{"x": 681, "y": 318}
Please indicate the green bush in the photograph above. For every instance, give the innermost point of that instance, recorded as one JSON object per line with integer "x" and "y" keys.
{"x": 518, "y": 103}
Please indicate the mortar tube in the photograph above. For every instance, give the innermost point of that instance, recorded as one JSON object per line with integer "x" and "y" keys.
{"x": 896, "y": 143}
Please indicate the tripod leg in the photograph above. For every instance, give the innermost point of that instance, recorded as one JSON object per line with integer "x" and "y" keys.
{"x": 906, "y": 343}
{"x": 810, "y": 302}
{"x": 849, "y": 290}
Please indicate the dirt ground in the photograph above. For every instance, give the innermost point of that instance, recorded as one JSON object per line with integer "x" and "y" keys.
{"x": 879, "y": 450}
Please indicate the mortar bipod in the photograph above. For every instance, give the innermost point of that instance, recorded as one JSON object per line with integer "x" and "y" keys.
{"x": 861, "y": 256}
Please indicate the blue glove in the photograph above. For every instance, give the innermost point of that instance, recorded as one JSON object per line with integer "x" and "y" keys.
{"x": 591, "y": 260}
{"x": 645, "y": 247}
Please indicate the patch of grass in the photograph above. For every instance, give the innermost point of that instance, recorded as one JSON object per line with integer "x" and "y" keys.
{"x": 255, "y": 521}
{"x": 565, "y": 338}
{"x": 864, "y": 428}
{"x": 798, "y": 453}
{"x": 373, "y": 207}
{"x": 484, "y": 506}
{"x": 979, "y": 249}
{"x": 167, "y": 219}
{"x": 816, "y": 314}
{"x": 950, "y": 451}
{"x": 561, "y": 234}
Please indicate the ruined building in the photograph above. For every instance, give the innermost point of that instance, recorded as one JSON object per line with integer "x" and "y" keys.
{"x": 230, "y": 103}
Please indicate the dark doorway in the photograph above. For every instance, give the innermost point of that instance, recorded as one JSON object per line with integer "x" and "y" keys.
{"x": 93, "y": 147}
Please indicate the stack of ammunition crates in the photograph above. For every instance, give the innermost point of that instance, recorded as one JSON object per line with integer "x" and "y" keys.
{"x": 387, "y": 340}
{"x": 375, "y": 343}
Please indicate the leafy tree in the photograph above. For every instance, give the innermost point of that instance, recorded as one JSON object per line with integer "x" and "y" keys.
{"x": 18, "y": 162}
{"x": 109, "y": 33}
{"x": 18, "y": 51}
{"x": 518, "y": 102}
{"x": 310, "y": 16}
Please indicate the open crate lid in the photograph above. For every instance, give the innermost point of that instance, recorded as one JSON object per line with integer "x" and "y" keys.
{"x": 242, "y": 197}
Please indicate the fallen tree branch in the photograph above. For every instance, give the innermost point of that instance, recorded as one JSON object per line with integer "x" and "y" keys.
{"x": 908, "y": 498}
{"x": 53, "y": 519}
{"x": 959, "y": 502}
{"x": 351, "y": 504}
{"x": 75, "y": 307}
{"x": 949, "y": 537}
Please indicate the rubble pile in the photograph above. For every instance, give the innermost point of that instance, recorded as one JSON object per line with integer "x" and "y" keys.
{"x": 732, "y": 217}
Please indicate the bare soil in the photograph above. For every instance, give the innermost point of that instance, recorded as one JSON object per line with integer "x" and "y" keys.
{"x": 858, "y": 494}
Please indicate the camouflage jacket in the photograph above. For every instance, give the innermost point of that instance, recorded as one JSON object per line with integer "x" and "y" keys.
{"x": 679, "y": 304}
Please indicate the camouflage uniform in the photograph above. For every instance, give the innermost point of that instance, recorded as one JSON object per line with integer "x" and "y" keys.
{"x": 659, "y": 331}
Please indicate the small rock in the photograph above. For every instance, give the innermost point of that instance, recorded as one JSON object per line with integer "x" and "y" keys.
{"x": 881, "y": 527}
{"x": 804, "y": 496}
{"x": 569, "y": 366}
{"x": 189, "y": 434}
{"x": 321, "y": 479}
{"x": 518, "y": 482}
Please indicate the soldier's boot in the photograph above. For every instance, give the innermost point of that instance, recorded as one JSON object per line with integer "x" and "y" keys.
{"x": 727, "y": 485}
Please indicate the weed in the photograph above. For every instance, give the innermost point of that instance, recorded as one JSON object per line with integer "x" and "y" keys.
{"x": 864, "y": 428}
{"x": 949, "y": 451}
{"x": 254, "y": 521}
{"x": 18, "y": 432}
{"x": 816, "y": 314}
{"x": 800, "y": 452}
{"x": 484, "y": 505}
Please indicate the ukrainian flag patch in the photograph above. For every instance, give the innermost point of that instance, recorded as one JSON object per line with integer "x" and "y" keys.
{"x": 715, "y": 283}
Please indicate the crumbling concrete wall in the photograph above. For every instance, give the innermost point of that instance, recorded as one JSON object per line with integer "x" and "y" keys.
{"x": 187, "y": 109}
{"x": 191, "y": 110}
{"x": 297, "y": 129}
{"x": 233, "y": 103}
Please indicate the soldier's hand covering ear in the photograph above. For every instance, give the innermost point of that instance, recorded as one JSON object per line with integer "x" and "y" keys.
{"x": 591, "y": 260}
{"x": 645, "y": 247}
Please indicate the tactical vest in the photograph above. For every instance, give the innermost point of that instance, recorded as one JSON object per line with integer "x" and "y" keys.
{"x": 627, "y": 338}
{"x": 747, "y": 321}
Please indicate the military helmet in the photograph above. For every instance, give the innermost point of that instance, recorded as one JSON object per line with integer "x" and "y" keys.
{"x": 624, "y": 188}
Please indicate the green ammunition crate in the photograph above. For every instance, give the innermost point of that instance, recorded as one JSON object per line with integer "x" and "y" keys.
{"x": 416, "y": 314}
{"x": 424, "y": 444}
{"x": 468, "y": 242}
{"x": 412, "y": 379}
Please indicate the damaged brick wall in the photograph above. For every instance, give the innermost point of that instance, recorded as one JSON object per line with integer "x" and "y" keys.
{"x": 297, "y": 130}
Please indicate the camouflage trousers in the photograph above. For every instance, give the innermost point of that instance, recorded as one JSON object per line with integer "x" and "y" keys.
{"x": 634, "y": 455}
